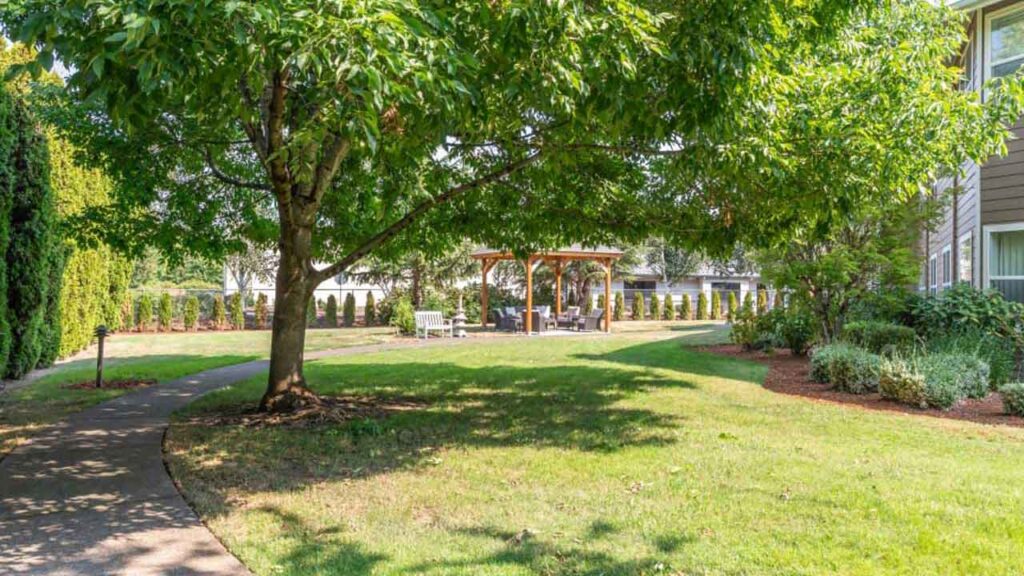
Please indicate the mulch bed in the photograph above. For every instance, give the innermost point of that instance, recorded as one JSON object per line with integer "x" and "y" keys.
{"x": 789, "y": 374}
{"x": 130, "y": 384}
{"x": 329, "y": 411}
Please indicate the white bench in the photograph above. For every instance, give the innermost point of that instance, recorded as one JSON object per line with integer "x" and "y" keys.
{"x": 427, "y": 321}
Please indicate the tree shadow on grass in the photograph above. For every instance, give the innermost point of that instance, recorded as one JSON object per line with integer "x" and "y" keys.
{"x": 679, "y": 356}
{"x": 538, "y": 554}
{"x": 568, "y": 407}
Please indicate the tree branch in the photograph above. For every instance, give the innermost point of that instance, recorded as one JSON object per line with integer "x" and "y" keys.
{"x": 220, "y": 175}
{"x": 409, "y": 219}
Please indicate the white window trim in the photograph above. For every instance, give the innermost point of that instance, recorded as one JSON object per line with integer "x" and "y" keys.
{"x": 947, "y": 251}
{"x": 988, "y": 37}
{"x": 967, "y": 237}
{"x": 933, "y": 274}
{"x": 986, "y": 256}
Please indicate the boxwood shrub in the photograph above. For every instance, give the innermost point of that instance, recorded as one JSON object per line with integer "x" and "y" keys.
{"x": 880, "y": 337}
{"x": 848, "y": 368}
{"x": 1013, "y": 398}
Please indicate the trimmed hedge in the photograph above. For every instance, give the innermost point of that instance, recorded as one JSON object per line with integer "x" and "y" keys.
{"x": 144, "y": 313}
{"x": 655, "y": 307}
{"x": 716, "y": 305}
{"x": 847, "y": 368}
{"x": 669, "y": 310}
{"x": 686, "y": 308}
{"x": 702, "y": 306}
{"x": 880, "y": 337}
{"x": 165, "y": 312}
{"x": 236, "y": 310}
{"x": 639, "y": 308}
{"x": 220, "y": 319}
{"x": 619, "y": 310}
{"x": 733, "y": 306}
{"x": 260, "y": 311}
{"x": 190, "y": 316}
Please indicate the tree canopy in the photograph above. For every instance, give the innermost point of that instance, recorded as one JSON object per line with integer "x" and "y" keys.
{"x": 344, "y": 129}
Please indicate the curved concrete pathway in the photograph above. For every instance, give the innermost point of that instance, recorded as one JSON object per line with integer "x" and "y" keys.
{"x": 91, "y": 495}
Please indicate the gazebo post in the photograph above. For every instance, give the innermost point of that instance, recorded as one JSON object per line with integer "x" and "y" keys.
{"x": 485, "y": 266}
{"x": 529, "y": 296}
{"x": 608, "y": 295}
{"x": 558, "y": 288}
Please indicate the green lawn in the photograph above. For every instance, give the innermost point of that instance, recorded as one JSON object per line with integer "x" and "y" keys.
{"x": 600, "y": 456}
{"x": 146, "y": 356}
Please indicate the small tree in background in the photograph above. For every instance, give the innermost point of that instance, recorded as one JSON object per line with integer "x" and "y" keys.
{"x": 311, "y": 313}
{"x": 220, "y": 317}
{"x": 779, "y": 302}
{"x": 144, "y": 313}
{"x": 733, "y": 305}
{"x": 402, "y": 317}
{"x": 237, "y": 310}
{"x": 331, "y": 312}
{"x": 655, "y": 307}
{"x": 165, "y": 312}
{"x": 349, "y": 312}
{"x": 748, "y": 302}
{"x": 619, "y": 311}
{"x": 639, "y": 307}
{"x": 260, "y": 312}
{"x": 670, "y": 308}
{"x": 190, "y": 316}
{"x": 370, "y": 310}
{"x": 686, "y": 308}
{"x": 716, "y": 305}
{"x": 762, "y": 302}
{"x": 702, "y": 306}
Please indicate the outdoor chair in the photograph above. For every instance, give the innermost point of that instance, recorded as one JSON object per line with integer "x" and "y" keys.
{"x": 591, "y": 322}
{"x": 569, "y": 318}
{"x": 427, "y": 322}
{"x": 539, "y": 322}
{"x": 503, "y": 321}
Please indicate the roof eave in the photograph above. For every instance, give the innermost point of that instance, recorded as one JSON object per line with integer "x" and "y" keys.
{"x": 972, "y": 4}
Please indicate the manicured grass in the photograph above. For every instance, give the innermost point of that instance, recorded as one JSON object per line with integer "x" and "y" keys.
{"x": 618, "y": 456}
{"x": 145, "y": 356}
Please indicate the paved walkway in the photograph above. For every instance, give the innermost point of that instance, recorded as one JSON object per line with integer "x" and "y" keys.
{"x": 91, "y": 494}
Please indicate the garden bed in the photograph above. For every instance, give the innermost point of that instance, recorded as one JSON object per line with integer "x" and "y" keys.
{"x": 789, "y": 374}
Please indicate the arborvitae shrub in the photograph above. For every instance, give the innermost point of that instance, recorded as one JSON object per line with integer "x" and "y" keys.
{"x": 311, "y": 312}
{"x": 403, "y": 318}
{"x": 748, "y": 302}
{"x": 144, "y": 313}
{"x": 331, "y": 312}
{"x": 639, "y": 310}
{"x": 220, "y": 316}
{"x": 686, "y": 308}
{"x": 655, "y": 307}
{"x": 762, "y": 302}
{"x": 32, "y": 248}
{"x": 619, "y": 312}
{"x": 733, "y": 304}
{"x": 237, "y": 310}
{"x": 190, "y": 316}
{"x": 702, "y": 306}
{"x": 370, "y": 310}
{"x": 670, "y": 308}
{"x": 716, "y": 305}
{"x": 348, "y": 313}
{"x": 260, "y": 311}
{"x": 165, "y": 312}
{"x": 779, "y": 302}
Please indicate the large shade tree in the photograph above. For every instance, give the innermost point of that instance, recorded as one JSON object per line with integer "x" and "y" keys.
{"x": 381, "y": 126}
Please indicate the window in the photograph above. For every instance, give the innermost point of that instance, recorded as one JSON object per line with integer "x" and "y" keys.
{"x": 640, "y": 285}
{"x": 947, "y": 267}
{"x": 1005, "y": 245}
{"x": 933, "y": 276}
{"x": 1006, "y": 42}
{"x": 967, "y": 65}
{"x": 965, "y": 258}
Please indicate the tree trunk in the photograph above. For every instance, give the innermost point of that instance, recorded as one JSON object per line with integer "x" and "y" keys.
{"x": 286, "y": 386}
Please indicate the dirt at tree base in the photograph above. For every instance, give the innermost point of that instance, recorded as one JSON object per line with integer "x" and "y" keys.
{"x": 789, "y": 374}
{"x": 328, "y": 410}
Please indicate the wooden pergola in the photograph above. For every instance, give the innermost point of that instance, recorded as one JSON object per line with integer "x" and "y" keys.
{"x": 556, "y": 260}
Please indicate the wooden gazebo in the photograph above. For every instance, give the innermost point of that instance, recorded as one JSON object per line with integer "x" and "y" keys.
{"x": 556, "y": 260}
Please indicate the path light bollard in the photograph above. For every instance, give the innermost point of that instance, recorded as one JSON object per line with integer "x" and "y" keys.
{"x": 101, "y": 335}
